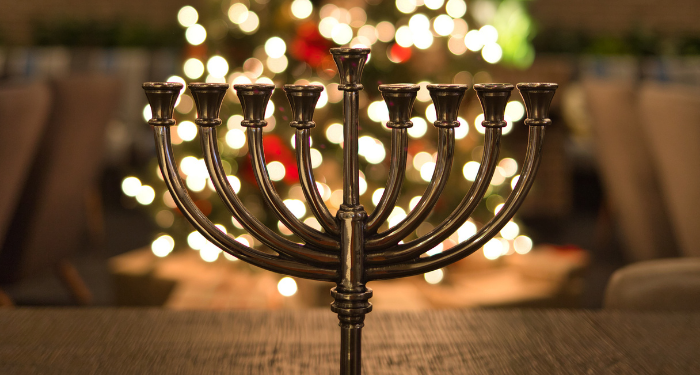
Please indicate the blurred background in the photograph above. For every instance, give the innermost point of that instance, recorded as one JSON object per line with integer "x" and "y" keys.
{"x": 85, "y": 218}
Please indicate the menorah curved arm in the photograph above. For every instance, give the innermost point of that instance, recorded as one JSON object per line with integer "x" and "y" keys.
{"x": 204, "y": 226}
{"x": 310, "y": 235}
{"x": 412, "y": 249}
{"x": 397, "y": 170}
{"x": 515, "y": 199}
{"x": 446, "y": 140}
{"x": 308, "y": 183}
{"x": 251, "y": 224}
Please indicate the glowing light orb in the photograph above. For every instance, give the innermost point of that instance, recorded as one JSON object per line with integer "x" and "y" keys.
{"x": 510, "y": 231}
{"x": 470, "y": 170}
{"x": 287, "y": 286}
{"x": 377, "y": 196}
{"x": 419, "y": 128}
{"x": 235, "y": 183}
{"x": 334, "y": 133}
{"x": 187, "y": 16}
{"x": 426, "y": 171}
{"x": 456, "y": 8}
{"x": 515, "y": 110}
{"x": 522, "y": 244}
{"x": 162, "y": 246}
{"x": 492, "y": 53}
{"x": 146, "y": 195}
{"x": 488, "y": 34}
{"x": 251, "y": 23}
{"x": 473, "y": 41}
{"x": 296, "y": 206}
{"x": 462, "y": 130}
{"x": 493, "y": 249}
{"x": 131, "y": 186}
{"x": 466, "y": 231}
{"x": 302, "y": 9}
{"x": 443, "y": 25}
{"x": 187, "y": 130}
{"x": 414, "y": 202}
{"x": 196, "y": 241}
{"x": 385, "y": 31}
{"x": 433, "y": 4}
{"x": 342, "y": 33}
{"x": 193, "y": 68}
{"x": 196, "y": 34}
{"x": 404, "y": 37}
{"x": 217, "y": 66}
{"x": 406, "y": 6}
{"x": 238, "y": 13}
{"x": 434, "y": 277}
{"x": 275, "y": 47}
{"x": 276, "y": 170}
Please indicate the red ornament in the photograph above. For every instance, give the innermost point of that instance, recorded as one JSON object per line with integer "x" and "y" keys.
{"x": 309, "y": 45}
{"x": 398, "y": 54}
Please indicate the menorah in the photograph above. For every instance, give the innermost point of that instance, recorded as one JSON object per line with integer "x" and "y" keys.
{"x": 350, "y": 251}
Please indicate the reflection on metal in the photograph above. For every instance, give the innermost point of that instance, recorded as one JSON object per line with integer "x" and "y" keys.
{"x": 349, "y": 251}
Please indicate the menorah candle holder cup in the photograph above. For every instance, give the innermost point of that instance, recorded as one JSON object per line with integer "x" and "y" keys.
{"x": 349, "y": 251}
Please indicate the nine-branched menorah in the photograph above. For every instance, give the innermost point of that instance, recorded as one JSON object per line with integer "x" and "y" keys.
{"x": 350, "y": 251}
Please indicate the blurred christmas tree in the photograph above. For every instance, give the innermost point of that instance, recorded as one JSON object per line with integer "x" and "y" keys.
{"x": 262, "y": 41}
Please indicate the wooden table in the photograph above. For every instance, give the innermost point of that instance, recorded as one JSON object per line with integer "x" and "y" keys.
{"x": 156, "y": 341}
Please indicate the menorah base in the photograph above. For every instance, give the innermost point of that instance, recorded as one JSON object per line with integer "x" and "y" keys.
{"x": 351, "y": 309}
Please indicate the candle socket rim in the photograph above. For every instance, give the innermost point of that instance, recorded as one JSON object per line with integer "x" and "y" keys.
{"x": 162, "y": 86}
{"x": 253, "y": 86}
{"x": 290, "y": 88}
{"x": 390, "y": 88}
{"x": 448, "y": 88}
{"x": 493, "y": 87}
{"x": 203, "y": 87}
{"x": 349, "y": 51}
{"x": 527, "y": 86}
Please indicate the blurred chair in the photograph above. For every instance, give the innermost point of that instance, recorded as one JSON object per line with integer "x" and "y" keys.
{"x": 671, "y": 117}
{"x": 626, "y": 164}
{"x": 660, "y": 285}
{"x": 24, "y": 110}
{"x": 50, "y": 223}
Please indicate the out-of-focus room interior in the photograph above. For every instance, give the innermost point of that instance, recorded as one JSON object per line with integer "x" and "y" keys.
{"x": 611, "y": 220}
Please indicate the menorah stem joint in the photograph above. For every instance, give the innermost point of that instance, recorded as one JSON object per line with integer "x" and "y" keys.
{"x": 351, "y": 296}
{"x": 351, "y": 308}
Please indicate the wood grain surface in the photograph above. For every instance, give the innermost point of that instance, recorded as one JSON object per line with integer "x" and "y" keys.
{"x": 152, "y": 341}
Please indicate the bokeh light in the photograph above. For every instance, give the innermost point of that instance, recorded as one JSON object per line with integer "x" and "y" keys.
{"x": 434, "y": 277}
{"x": 341, "y": 33}
{"x": 522, "y": 244}
{"x": 193, "y": 68}
{"x": 238, "y": 13}
{"x": 251, "y": 23}
{"x": 302, "y": 9}
{"x": 187, "y": 130}
{"x": 187, "y": 16}
{"x": 470, "y": 170}
{"x": 276, "y": 170}
{"x": 420, "y": 126}
{"x": 287, "y": 286}
{"x": 443, "y": 25}
{"x": 275, "y": 47}
{"x": 217, "y": 66}
{"x": 456, "y": 8}
{"x": 196, "y": 34}
{"x": 163, "y": 245}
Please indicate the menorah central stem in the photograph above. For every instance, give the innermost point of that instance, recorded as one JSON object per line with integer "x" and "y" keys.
{"x": 351, "y": 297}
{"x": 351, "y": 175}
